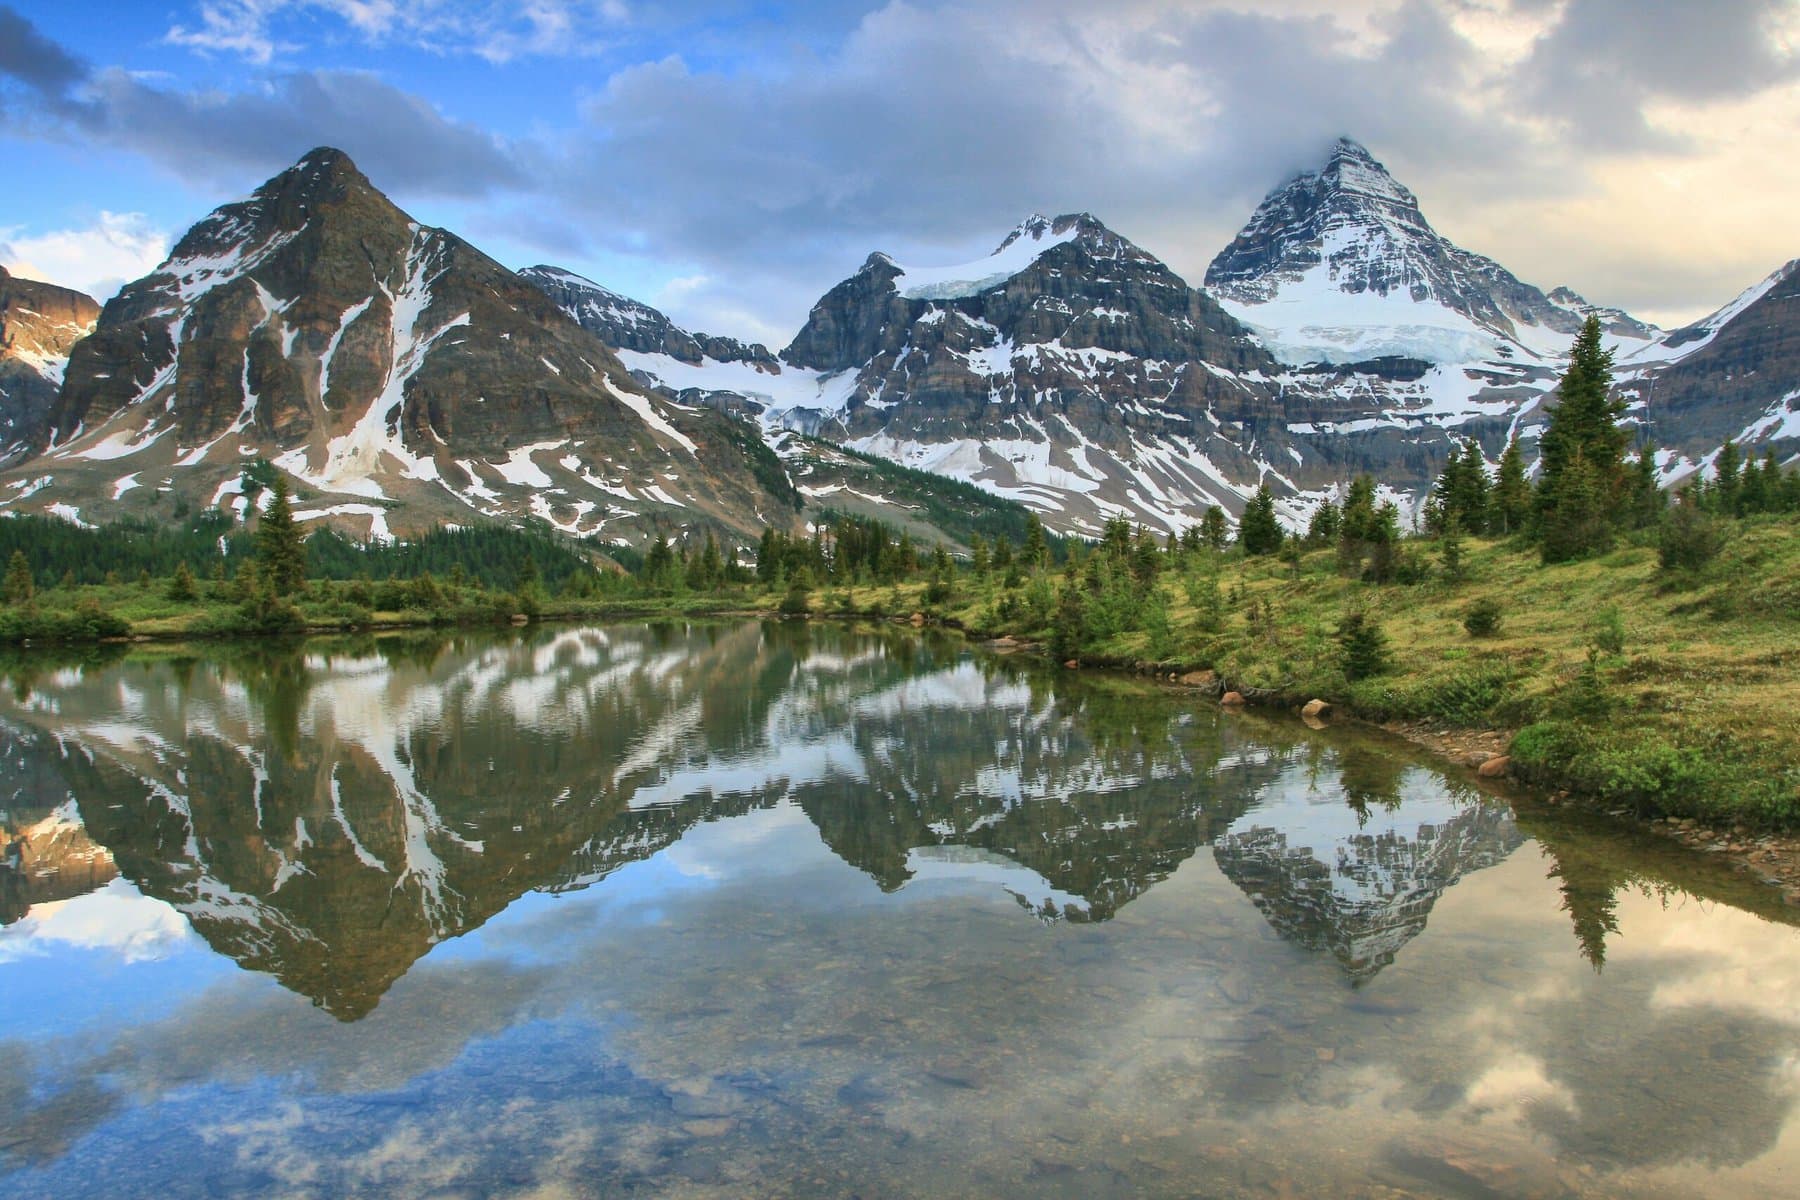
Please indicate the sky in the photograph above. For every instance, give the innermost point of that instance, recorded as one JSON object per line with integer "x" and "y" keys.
{"x": 728, "y": 161}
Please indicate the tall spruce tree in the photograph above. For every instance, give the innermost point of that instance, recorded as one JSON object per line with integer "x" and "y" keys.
{"x": 280, "y": 548}
{"x": 1510, "y": 506}
{"x": 18, "y": 587}
{"x": 1584, "y": 428}
{"x": 1213, "y": 530}
{"x": 1258, "y": 530}
{"x": 1645, "y": 502}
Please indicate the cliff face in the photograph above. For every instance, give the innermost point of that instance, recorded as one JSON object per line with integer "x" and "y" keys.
{"x": 39, "y": 325}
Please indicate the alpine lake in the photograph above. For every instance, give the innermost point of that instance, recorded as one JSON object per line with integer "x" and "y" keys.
{"x": 745, "y": 909}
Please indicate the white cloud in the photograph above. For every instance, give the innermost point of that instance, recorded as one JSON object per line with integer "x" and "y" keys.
{"x": 261, "y": 30}
{"x": 97, "y": 260}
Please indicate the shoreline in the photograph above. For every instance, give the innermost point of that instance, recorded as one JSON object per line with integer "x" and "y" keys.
{"x": 1771, "y": 858}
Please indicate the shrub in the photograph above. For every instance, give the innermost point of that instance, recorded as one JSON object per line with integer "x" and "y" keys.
{"x": 1471, "y": 696}
{"x": 1362, "y": 646}
{"x": 1483, "y": 618}
{"x": 1690, "y": 538}
{"x": 1607, "y": 632}
{"x": 798, "y": 600}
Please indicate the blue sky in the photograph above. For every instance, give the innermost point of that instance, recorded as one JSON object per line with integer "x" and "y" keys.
{"x": 730, "y": 161}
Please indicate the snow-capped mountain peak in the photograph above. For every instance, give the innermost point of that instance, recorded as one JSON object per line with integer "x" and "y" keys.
{"x": 1340, "y": 264}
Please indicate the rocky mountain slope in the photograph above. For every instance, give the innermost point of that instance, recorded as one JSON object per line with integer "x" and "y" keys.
{"x": 39, "y": 324}
{"x": 1735, "y": 374}
{"x": 630, "y": 325}
{"x": 402, "y": 377}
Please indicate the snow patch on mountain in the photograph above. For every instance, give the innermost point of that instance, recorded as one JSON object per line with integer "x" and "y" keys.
{"x": 1022, "y": 247}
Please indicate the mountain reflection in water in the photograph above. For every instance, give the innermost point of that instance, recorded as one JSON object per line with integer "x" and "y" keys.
{"x": 742, "y": 909}
{"x": 327, "y": 817}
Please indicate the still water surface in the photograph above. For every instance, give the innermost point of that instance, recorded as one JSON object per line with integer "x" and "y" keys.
{"x": 744, "y": 909}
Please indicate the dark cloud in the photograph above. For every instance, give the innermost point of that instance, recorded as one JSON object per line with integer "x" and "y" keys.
{"x": 394, "y": 135}
{"x": 32, "y": 59}
{"x": 231, "y": 139}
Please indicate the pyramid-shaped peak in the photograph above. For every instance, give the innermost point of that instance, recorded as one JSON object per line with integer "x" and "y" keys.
{"x": 1352, "y": 171}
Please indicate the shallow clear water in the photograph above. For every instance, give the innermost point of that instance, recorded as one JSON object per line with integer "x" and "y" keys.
{"x": 744, "y": 909}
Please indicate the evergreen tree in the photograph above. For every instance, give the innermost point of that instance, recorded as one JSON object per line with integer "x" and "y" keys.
{"x": 1068, "y": 630}
{"x": 1323, "y": 528}
{"x": 280, "y": 548}
{"x": 709, "y": 572}
{"x": 1451, "y": 549}
{"x": 1753, "y": 497}
{"x": 659, "y": 561}
{"x": 1726, "y": 484}
{"x": 19, "y": 587}
{"x": 1510, "y": 505}
{"x": 1460, "y": 495}
{"x": 768, "y": 557}
{"x": 978, "y": 556}
{"x": 1584, "y": 428}
{"x": 182, "y": 588}
{"x": 1577, "y": 518}
{"x": 1213, "y": 530}
{"x": 1258, "y": 530}
{"x": 1362, "y": 645}
{"x": 1358, "y": 525}
{"x": 1037, "y": 549}
{"x": 1146, "y": 558}
{"x": 1645, "y": 502}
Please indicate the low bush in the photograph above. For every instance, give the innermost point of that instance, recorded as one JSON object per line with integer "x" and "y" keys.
{"x": 1482, "y": 620}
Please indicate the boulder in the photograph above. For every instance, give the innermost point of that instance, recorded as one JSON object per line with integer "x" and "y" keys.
{"x": 1232, "y": 699}
{"x": 1497, "y": 767}
{"x": 918, "y": 619}
{"x": 1072, "y": 663}
{"x": 1317, "y": 710}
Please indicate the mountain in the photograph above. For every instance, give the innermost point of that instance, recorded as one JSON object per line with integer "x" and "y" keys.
{"x": 1074, "y": 372}
{"x": 39, "y": 324}
{"x": 1735, "y": 374}
{"x": 402, "y": 377}
{"x": 1340, "y": 265}
{"x": 1070, "y": 370}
